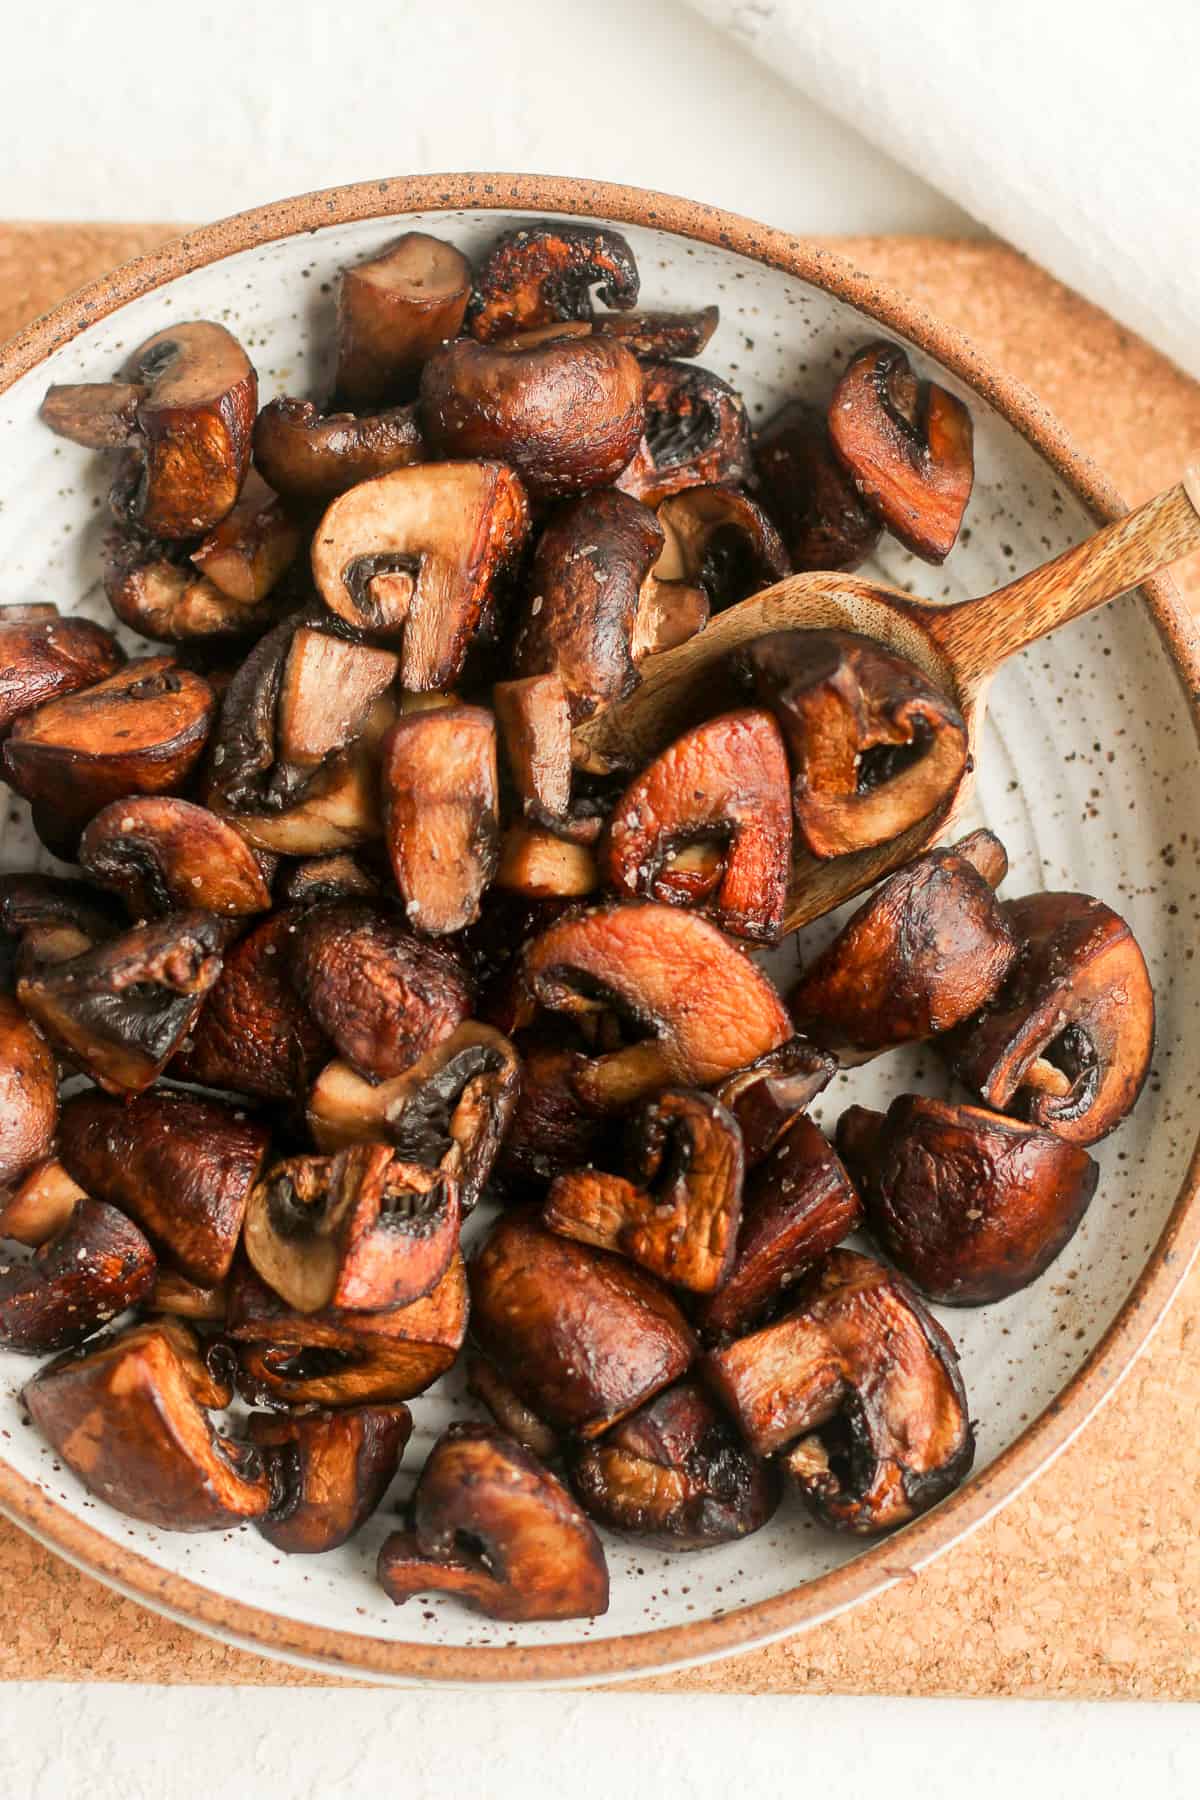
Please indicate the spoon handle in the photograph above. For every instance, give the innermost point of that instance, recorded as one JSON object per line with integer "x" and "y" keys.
{"x": 978, "y": 635}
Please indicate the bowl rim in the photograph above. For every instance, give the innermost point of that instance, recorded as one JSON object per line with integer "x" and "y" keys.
{"x": 677, "y": 1646}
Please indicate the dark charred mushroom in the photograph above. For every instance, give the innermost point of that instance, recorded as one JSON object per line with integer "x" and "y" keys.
{"x": 552, "y": 1129}
{"x": 183, "y": 411}
{"x": 318, "y": 878}
{"x": 908, "y": 446}
{"x": 490, "y": 1524}
{"x": 39, "y": 1205}
{"x": 970, "y": 1205}
{"x": 28, "y": 1093}
{"x": 534, "y": 717}
{"x": 719, "y": 540}
{"x": 697, "y": 434}
{"x": 393, "y": 310}
{"x": 1067, "y": 1040}
{"x": 765, "y": 1096}
{"x": 544, "y": 866}
{"x": 874, "y": 748}
{"x": 928, "y": 948}
{"x": 510, "y": 1412}
{"x": 42, "y": 659}
{"x": 441, "y": 814}
{"x": 160, "y": 853}
{"x": 94, "y": 1266}
{"x": 821, "y": 515}
{"x": 657, "y": 336}
{"x": 157, "y": 591}
{"x": 450, "y": 1110}
{"x": 127, "y": 1417}
{"x": 383, "y": 997}
{"x": 678, "y": 1213}
{"x": 565, "y": 412}
{"x": 122, "y": 1010}
{"x": 329, "y": 1472}
{"x": 864, "y": 1385}
{"x": 413, "y": 555}
{"x": 544, "y": 272}
{"x": 140, "y": 731}
{"x": 725, "y": 782}
{"x": 581, "y": 1336}
{"x": 182, "y": 1166}
{"x": 309, "y": 455}
{"x": 799, "y": 1204}
{"x": 360, "y": 1231}
{"x": 675, "y": 1475}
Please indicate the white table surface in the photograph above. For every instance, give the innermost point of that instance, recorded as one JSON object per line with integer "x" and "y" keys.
{"x": 122, "y": 111}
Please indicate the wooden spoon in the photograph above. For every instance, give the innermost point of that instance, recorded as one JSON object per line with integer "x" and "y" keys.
{"x": 958, "y": 647}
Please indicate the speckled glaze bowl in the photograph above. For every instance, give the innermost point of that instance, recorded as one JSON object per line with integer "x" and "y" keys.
{"x": 1089, "y": 775}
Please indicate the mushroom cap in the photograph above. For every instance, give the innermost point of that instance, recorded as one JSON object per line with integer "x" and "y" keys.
{"x": 766, "y": 1095}
{"x": 28, "y": 1093}
{"x": 95, "y": 1265}
{"x": 44, "y": 658}
{"x": 308, "y": 455}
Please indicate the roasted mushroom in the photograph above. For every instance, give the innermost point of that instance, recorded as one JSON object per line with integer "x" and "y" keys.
{"x": 799, "y": 1204}
{"x": 864, "y": 1385}
{"x": 907, "y": 444}
{"x": 43, "y": 658}
{"x": 155, "y": 589}
{"x": 928, "y": 948}
{"x": 317, "y": 878}
{"x": 182, "y": 410}
{"x": 1067, "y": 1041}
{"x": 140, "y": 731}
{"x": 312, "y": 456}
{"x": 822, "y": 517}
{"x": 122, "y": 1010}
{"x": 28, "y": 1093}
{"x": 39, "y": 1204}
{"x": 510, "y": 1412}
{"x": 94, "y": 1266}
{"x": 581, "y": 1336}
{"x": 552, "y": 1129}
{"x": 182, "y": 1166}
{"x": 441, "y": 814}
{"x": 393, "y": 310}
{"x": 161, "y": 853}
{"x": 327, "y": 691}
{"x": 725, "y": 782}
{"x": 765, "y": 1096}
{"x": 491, "y": 1524}
{"x": 361, "y": 1231}
{"x": 173, "y": 1294}
{"x": 450, "y": 1110}
{"x": 534, "y": 717}
{"x": 970, "y": 1205}
{"x": 674, "y": 1475}
{"x": 543, "y": 273}
{"x": 53, "y": 918}
{"x": 697, "y": 434}
{"x": 383, "y": 997}
{"x": 329, "y": 1472}
{"x": 721, "y": 541}
{"x": 564, "y": 411}
{"x": 544, "y": 866}
{"x": 127, "y": 1417}
{"x": 412, "y": 555}
{"x": 247, "y": 553}
{"x": 657, "y": 336}
{"x": 678, "y": 1213}
{"x": 874, "y": 748}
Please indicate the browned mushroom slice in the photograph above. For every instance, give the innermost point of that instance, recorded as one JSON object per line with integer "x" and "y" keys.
{"x": 173, "y": 1294}
{"x": 678, "y": 1215}
{"x": 908, "y": 445}
{"x": 544, "y": 272}
{"x": 450, "y": 1110}
{"x": 329, "y": 1472}
{"x": 675, "y": 1475}
{"x": 121, "y": 1011}
{"x": 360, "y": 1231}
{"x": 726, "y": 782}
{"x": 155, "y": 590}
{"x": 245, "y": 555}
{"x": 534, "y": 717}
{"x": 1067, "y": 1040}
{"x": 582, "y": 1337}
{"x": 412, "y": 555}
{"x": 552, "y": 1129}
{"x": 160, "y": 853}
{"x": 140, "y": 731}
{"x": 565, "y": 413}
{"x": 28, "y": 1093}
{"x": 657, "y": 336}
{"x": 864, "y": 1385}
{"x": 510, "y": 1412}
{"x": 327, "y": 689}
{"x": 308, "y": 456}
{"x": 702, "y": 1009}
{"x": 821, "y": 515}
{"x": 490, "y": 1524}
{"x": 94, "y": 1266}
{"x": 874, "y": 748}
{"x": 441, "y": 814}
{"x": 383, "y": 997}
{"x": 544, "y": 866}
{"x": 44, "y": 658}
{"x": 799, "y": 1204}
{"x": 126, "y": 1416}
{"x": 721, "y": 541}
{"x": 182, "y": 1166}
{"x": 335, "y": 1358}
{"x": 765, "y": 1096}
{"x": 318, "y": 878}
{"x": 970, "y": 1205}
{"x": 697, "y": 434}
{"x": 928, "y": 948}
{"x": 184, "y": 410}
{"x": 53, "y": 918}
{"x": 393, "y": 310}
{"x": 39, "y": 1205}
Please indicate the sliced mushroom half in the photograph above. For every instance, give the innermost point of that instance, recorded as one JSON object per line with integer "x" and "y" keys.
{"x": 721, "y": 541}
{"x": 441, "y": 814}
{"x": 39, "y": 1204}
{"x": 767, "y": 1094}
{"x": 697, "y": 434}
{"x": 329, "y": 1472}
{"x": 43, "y": 658}
{"x": 161, "y": 853}
{"x": 544, "y": 272}
{"x": 155, "y": 589}
{"x": 393, "y": 310}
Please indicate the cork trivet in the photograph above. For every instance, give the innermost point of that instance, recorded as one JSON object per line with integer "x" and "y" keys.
{"x": 1089, "y": 1583}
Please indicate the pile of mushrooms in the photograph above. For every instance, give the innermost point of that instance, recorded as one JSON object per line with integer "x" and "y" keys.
{"x": 356, "y": 938}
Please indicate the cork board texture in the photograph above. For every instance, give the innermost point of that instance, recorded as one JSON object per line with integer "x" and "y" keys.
{"x": 1089, "y": 1583}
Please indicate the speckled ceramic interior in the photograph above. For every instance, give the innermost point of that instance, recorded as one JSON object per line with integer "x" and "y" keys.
{"x": 1089, "y": 775}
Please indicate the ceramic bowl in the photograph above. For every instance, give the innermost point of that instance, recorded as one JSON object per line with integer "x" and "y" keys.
{"x": 1089, "y": 775}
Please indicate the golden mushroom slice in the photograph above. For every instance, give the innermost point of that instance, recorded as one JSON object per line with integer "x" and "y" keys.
{"x": 697, "y": 434}
{"x": 441, "y": 814}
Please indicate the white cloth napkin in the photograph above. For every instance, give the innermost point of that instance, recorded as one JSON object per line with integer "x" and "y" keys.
{"x": 1072, "y": 130}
